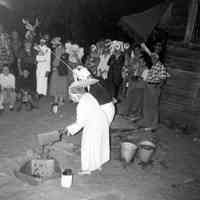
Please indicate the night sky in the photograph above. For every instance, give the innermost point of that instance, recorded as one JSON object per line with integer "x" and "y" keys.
{"x": 81, "y": 20}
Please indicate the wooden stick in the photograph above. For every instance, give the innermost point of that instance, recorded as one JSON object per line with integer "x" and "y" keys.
{"x": 192, "y": 15}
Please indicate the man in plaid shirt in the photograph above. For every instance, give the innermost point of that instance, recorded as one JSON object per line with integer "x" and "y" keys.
{"x": 158, "y": 73}
{"x": 156, "y": 77}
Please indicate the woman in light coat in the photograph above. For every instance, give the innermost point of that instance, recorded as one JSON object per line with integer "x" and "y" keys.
{"x": 95, "y": 145}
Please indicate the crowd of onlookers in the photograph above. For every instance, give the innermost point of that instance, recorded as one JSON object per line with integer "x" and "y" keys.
{"x": 132, "y": 73}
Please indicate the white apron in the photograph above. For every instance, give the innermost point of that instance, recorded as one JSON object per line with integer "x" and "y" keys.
{"x": 43, "y": 66}
{"x": 109, "y": 110}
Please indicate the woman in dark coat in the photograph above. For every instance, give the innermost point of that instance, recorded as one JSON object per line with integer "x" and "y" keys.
{"x": 26, "y": 60}
{"x": 116, "y": 63}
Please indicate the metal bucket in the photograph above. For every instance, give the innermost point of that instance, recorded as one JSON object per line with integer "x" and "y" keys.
{"x": 66, "y": 178}
{"x": 146, "y": 150}
{"x": 128, "y": 151}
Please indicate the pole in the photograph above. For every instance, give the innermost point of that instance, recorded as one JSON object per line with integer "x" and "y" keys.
{"x": 62, "y": 61}
{"x": 192, "y": 15}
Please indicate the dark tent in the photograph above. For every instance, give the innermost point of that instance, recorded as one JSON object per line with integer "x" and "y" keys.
{"x": 140, "y": 25}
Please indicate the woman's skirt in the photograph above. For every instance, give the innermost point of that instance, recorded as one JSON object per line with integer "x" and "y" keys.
{"x": 58, "y": 85}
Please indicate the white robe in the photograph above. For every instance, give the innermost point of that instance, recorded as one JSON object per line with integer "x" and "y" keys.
{"x": 43, "y": 66}
{"x": 95, "y": 147}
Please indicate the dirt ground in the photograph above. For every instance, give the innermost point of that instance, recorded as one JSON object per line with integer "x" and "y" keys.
{"x": 174, "y": 174}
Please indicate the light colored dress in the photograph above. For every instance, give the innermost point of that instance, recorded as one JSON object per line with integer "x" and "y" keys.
{"x": 43, "y": 66}
{"x": 95, "y": 147}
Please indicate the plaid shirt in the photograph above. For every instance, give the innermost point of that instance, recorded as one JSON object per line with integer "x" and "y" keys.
{"x": 157, "y": 73}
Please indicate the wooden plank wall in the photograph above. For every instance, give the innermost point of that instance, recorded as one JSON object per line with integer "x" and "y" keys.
{"x": 180, "y": 99}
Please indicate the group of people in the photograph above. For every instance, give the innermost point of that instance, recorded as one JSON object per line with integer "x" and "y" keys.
{"x": 29, "y": 69}
{"x": 96, "y": 78}
{"x": 134, "y": 74}
{"x": 145, "y": 79}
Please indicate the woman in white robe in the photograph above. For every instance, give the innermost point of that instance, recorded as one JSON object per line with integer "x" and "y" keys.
{"x": 95, "y": 147}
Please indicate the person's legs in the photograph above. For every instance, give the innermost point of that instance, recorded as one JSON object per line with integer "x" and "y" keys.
{"x": 134, "y": 102}
{"x": 117, "y": 90}
{"x": 151, "y": 106}
{"x": 5, "y": 97}
{"x": 18, "y": 103}
{"x": 61, "y": 101}
{"x": 41, "y": 82}
{"x": 12, "y": 99}
{"x": 33, "y": 77}
{"x": 137, "y": 108}
{"x": 33, "y": 99}
{"x": 128, "y": 101}
{"x": 1, "y": 101}
{"x": 56, "y": 99}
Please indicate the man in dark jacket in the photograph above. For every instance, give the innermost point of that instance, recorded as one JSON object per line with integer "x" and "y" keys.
{"x": 116, "y": 63}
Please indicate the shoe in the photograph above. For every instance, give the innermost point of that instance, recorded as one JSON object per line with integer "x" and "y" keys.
{"x": 11, "y": 108}
{"x": 40, "y": 96}
{"x": 150, "y": 129}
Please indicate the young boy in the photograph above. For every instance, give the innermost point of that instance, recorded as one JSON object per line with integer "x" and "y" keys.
{"x": 7, "y": 83}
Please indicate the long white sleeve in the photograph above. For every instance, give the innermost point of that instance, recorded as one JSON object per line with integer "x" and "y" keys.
{"x": 80, "y": 116}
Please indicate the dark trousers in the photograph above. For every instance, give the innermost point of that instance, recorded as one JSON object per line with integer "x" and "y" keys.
{"x": 133, "y": 104}
{"x": 151, "y": 105}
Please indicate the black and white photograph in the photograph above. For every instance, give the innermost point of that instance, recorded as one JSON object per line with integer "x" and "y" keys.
{"x": 99, "y": 99}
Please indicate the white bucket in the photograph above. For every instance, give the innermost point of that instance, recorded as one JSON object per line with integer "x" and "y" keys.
{"x": 128, "y": 151}
{"x": 66, "y": 178}
{"x": 146, "y": 150}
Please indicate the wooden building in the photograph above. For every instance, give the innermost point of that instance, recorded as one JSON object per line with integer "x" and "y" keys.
{"x": 180, "y": 101}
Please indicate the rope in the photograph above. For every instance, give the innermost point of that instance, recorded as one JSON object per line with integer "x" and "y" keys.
{"x": 67, "y": 65}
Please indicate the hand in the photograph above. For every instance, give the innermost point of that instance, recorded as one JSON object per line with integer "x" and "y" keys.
{"x": 161, "y": 84}
{"x": 66, "y": 131}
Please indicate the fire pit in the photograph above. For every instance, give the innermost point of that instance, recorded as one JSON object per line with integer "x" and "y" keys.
{"x": 39, "y": 168}
{"x": 36, "y": 171}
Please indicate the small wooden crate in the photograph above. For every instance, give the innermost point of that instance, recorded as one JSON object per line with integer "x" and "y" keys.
{"x": 42, "y": 168}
